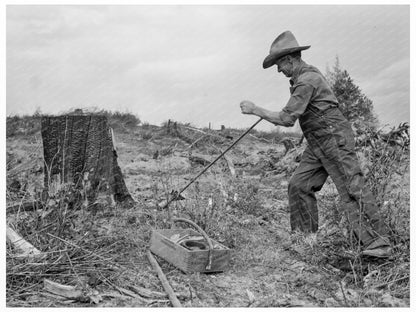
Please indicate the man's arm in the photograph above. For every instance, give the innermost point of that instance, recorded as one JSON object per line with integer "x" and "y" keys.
{"x": 295, "y": 107}
{"x": 277, "y": 118}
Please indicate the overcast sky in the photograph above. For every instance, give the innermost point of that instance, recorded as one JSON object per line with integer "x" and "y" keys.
{"x": 196, "y": 63}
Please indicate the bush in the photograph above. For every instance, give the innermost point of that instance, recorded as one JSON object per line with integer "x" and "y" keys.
{"x": 119, "y": 120}
{"x": 22, "y": 125}
{"x": 116, "y": 120}
{"x": 385, "y": 159}
{"x": 30, "y": 124}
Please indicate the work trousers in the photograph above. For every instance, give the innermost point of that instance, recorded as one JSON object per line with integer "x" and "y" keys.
{"x": 330, "y": 151}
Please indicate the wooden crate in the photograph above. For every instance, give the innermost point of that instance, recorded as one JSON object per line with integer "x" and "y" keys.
{"x": 188, "y": 260}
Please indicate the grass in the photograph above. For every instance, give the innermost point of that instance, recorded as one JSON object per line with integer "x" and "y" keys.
{"x": 82, "y": 247}
{"x": 103, "y": 247}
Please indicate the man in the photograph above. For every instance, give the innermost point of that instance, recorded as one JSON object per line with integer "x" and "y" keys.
{"x": 330, "y": 149}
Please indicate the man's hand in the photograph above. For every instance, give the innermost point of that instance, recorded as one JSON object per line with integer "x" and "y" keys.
{"x": 250, "y": 108}
{"x": 247, "y": 107}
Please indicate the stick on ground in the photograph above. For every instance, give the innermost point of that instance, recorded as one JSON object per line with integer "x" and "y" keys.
{"x": 26, "y": 248}
{"x": 164, "y": 281}
{"x": 66, "y": 291}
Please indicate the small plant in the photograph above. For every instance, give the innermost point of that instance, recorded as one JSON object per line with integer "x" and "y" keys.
{"x": 146, "y": 135}
{"x": 386, "y": 165}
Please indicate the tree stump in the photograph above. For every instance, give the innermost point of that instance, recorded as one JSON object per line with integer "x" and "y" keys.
{"x": 79, "y": 149}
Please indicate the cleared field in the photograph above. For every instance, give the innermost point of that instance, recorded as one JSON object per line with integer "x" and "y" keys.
{"x": 101, "y": 248}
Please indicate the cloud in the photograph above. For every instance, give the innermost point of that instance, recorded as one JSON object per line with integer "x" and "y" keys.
{"x": 186, "y": 62}
{"x": 42, "y": 26}
{"x": 389, "y": 89}
{"x": 394, "y": 77}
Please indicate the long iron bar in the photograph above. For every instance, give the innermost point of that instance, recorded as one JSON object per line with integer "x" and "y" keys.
{"x": 176, "y": 194}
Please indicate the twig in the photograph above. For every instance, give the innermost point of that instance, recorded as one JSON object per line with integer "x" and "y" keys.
{"x": 230, "y": 165}
{"x": 353, "y": 271}
{"x": 72, "y": 267}
{"x": 90, "y": 252}
{"x": 206, "y": 133}
{"x": 343, "y": 294}
{"x": 144, "y": 292}
{"x": 164, "y": 281}
{"x": 196, "y": 141}
{"x": 124, "y": 297}
{"x": 25, "y": 206}
{"x": 261, "y": 139}
{"x": 133, "y": 295}
{"x": 391, "y": 282}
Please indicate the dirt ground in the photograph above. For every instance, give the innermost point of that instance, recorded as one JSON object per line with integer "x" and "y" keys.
{"x": 269, "y": 266}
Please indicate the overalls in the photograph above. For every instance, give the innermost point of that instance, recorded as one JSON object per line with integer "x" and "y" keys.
{"x": 330, "y": 151}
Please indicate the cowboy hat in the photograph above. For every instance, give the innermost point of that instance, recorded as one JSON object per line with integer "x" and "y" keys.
{"x": 284, "y": 44}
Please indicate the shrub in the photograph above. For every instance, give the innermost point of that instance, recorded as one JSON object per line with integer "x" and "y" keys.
{"x": 22, "y": 125}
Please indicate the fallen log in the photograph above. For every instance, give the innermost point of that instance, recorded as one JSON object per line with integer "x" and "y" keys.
{"x": 25, "y": 248}
{"x": 163, "y": 280}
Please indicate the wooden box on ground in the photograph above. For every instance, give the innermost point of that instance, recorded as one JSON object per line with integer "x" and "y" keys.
{"x": 188, "y": 260}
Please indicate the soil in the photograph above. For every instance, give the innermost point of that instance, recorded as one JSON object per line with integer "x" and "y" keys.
{"x": 269, "y": 266}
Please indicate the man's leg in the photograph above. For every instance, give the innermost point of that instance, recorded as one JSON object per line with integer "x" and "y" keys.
{"x": 357, "y": 202}
{"x": 370, "y": 212}
{"x": 308, "y": 178}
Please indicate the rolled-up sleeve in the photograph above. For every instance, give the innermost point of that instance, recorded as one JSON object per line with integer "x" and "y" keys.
{"x": 299, "y": 100}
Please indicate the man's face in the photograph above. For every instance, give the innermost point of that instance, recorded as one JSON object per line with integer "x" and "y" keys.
{"x": 285, "y": 66}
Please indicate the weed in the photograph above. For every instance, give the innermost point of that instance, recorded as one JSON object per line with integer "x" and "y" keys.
{"x": 146, "y": 135}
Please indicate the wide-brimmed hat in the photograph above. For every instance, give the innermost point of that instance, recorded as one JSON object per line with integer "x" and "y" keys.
{"x": 284, "y": 44}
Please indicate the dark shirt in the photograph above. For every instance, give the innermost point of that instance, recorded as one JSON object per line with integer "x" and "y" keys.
{"x": 308, "y": 87}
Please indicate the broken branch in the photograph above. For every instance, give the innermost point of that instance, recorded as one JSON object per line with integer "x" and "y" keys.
{"x": 26, "y": 249}
{"x": 66, "y": 291}
{"x": 163, "y": 280}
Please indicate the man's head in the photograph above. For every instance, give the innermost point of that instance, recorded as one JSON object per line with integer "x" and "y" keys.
{"x": 285, "y": 44}
{"x": 287, "y": 63}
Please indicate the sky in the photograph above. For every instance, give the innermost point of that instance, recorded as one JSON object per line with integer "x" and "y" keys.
{"x": 197, "y": 63}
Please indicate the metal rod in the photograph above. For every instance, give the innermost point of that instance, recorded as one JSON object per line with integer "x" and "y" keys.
{"x": 212, "y": 163}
